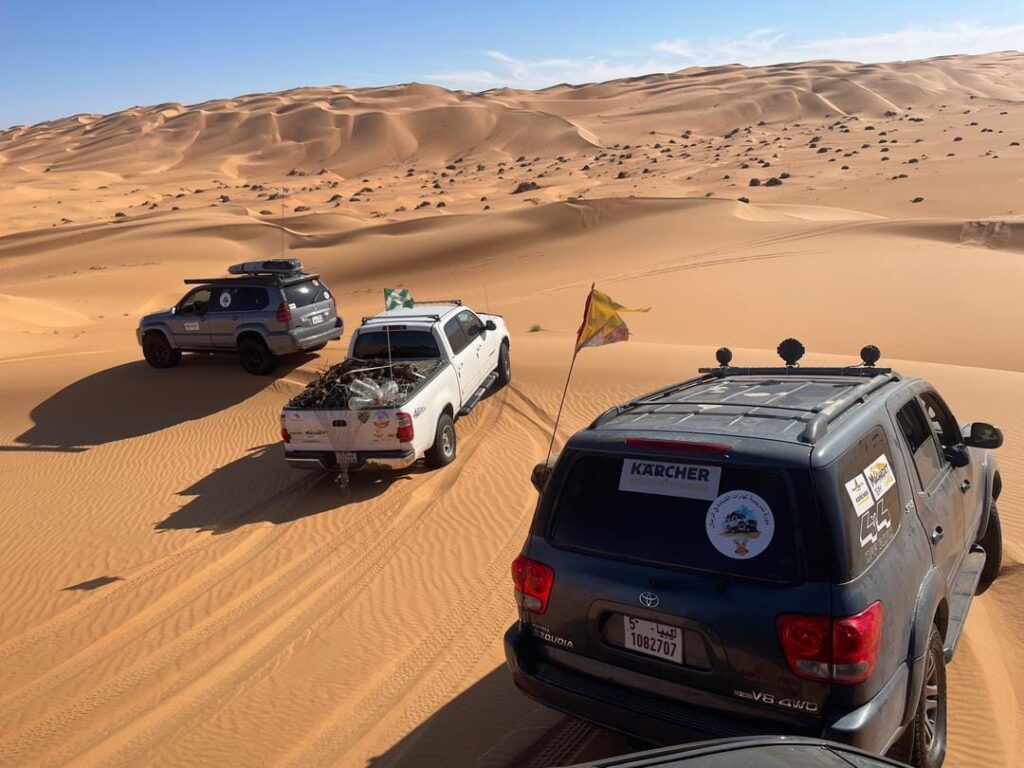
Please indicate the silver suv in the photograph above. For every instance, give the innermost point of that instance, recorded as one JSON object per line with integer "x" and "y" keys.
{"x": 270, "y": 308}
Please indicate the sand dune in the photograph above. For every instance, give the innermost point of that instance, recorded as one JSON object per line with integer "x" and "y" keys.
{"x": 174, "y": 595}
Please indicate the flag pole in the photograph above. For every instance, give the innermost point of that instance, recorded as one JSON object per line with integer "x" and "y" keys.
{"x": 561, "y": 403}
{"x": 572, "y": 365}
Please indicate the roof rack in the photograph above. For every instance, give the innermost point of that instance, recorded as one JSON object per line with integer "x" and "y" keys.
{"x": 399, "y": 319}
{"x": 456, "y": 302}
{"x": 816, "y": 419}
{"x": 260, "y": 278}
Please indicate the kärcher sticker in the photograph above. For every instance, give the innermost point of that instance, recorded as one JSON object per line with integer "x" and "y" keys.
{"x": 859, "y": 494}
{"x": 685, "y": 481}
{"x": 879, "y": 476}
{"x": 740, "y": 524}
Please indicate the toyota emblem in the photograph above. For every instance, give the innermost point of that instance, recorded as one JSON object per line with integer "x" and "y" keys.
{"x": 649, "y": 600}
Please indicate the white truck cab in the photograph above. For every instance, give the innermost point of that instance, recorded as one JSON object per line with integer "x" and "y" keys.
{"x": 450, "y": 356}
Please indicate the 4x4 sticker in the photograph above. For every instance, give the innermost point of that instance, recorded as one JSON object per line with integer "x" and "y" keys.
{"x": 685, "y": 481}
{"x": 879, "y": 476}
{"x": 859, "y": 495}
{"x": 740, "y": 524}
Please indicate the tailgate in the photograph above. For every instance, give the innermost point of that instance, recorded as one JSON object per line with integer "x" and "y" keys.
{"x": 671, "y": 574}
{"x": 311, "y": 307}
{"x": 341, "y": 431}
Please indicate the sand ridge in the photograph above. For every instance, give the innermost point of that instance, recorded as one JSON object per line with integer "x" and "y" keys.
{"x": 175, "y": 595}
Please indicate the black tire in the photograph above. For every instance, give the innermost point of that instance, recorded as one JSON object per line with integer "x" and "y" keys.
{"x": 928, "y": 746}
{"x": 442, "y": 453}
{"x": 504, "y": 368}
{"x": 992, "y": 543}
{"x": 255, "y": 357}
{"x": 158, "y": 351}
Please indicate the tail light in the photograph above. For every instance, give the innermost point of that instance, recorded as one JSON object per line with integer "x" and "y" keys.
{"x": 838, "y": 650}
{"x": 677, "y": 445}
{"x": 284, "y": 313}
{"x": 406, "y": 430}
{"x": 285, "y": 435}
{"x": 533, "y": 582}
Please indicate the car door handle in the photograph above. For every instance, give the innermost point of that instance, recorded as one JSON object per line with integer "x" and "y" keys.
{"x": 937, "y": 534}
{"x": 965, "y": 486}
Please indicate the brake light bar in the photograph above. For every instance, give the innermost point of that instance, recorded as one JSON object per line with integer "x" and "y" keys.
{"x": 832, "y": 649}
{"x": 533, "y": 582}
{"x": 680, "y": 446}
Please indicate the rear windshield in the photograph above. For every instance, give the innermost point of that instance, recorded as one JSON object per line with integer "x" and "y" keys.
{"x": 405, "y": 345}
{"x": 722, "y": 519}
{"x": 305, "y": 293}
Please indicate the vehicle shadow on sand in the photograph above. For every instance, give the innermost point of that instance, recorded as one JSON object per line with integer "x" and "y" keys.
{"x": 133, "y": 399}
{"x": 261, "y": 488}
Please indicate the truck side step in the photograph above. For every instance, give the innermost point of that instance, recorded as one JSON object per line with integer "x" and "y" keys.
{"x": 477, "y": 396}
{"x": 960, "y": 600}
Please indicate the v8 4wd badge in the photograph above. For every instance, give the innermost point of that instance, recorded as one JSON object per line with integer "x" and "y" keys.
{"x": 786, "y": 702}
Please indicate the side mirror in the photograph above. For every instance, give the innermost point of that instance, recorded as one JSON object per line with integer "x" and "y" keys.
{"x": 490, "y": 325}
{"x": 957, "y": 455}
{"x": 982, "y": 435}
{"x": 540, "y": 475}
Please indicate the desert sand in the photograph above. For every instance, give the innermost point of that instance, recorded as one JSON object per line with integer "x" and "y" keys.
{"x": 175, "y": 595}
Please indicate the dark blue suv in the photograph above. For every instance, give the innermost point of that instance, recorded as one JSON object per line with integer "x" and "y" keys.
{"x": 761, "y": 551}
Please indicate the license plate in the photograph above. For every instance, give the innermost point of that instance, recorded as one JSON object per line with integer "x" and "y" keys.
{"x": 653, "y": 639}
{"x": 345, "y": 458}
{"x": 317, "y": 319}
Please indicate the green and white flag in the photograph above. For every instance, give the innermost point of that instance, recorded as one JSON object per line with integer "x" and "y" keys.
{"x": 396, "y": 298}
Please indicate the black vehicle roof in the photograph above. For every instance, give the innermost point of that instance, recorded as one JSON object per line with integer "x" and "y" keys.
{"x": 787, "y": 405}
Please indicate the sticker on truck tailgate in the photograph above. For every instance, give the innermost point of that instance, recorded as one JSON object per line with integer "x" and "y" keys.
{"x": 686, "y": 481}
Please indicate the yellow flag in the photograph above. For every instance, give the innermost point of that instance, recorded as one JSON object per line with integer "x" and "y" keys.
{"x": 601, "y": 321}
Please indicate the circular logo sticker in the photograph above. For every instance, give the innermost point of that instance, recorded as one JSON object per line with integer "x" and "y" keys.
{"x": 740, "y": 524}
{"x": 225, "y": 299}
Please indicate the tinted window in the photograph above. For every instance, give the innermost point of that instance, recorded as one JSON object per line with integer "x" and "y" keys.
{"x": 470, "y": 324}
{"x": 920, "y": 441}
{"x": 945, "y": 426}
{"x": 456, "y": 335}
{"x": 305, "y": 293}
{"x": 201, "y": 295}
{"x": 869, "y": 499}
{"x": 405, "y": 345}
{"x": 741, "y": 526}
{"x": 239, "y": 299}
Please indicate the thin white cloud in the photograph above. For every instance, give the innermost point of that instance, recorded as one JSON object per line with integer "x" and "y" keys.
{"x": 538, "y": 73}
{"x": 767, "y": 46}
{"x": 760, "y": 46}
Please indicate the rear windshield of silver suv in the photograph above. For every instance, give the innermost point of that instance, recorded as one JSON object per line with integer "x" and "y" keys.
{"x": 305, "y": 293}
{"x": 694, "y": 516}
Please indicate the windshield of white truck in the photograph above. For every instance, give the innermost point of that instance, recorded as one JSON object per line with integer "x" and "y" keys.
{"x": 405, "y": 345}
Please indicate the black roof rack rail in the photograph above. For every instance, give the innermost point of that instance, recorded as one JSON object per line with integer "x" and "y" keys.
{"x": 456, "y": 302}
{"x": 818, "y": 425}
{"x": 793, "y": 370}
{"x": 268, "y": 279}
{"x": 399, "y": 319}
{"x": 617, "y": 410}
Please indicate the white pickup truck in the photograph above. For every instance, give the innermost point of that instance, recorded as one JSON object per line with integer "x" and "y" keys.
{"x": 442, "y": 356}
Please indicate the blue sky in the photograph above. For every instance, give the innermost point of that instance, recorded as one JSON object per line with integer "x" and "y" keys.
{"x": 60, "y": 58}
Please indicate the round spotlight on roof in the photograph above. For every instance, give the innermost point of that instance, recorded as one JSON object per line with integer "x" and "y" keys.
{"x": 870, "y": 355}
{"x": 791, "y": 350}
{"x": 724, "y": 356}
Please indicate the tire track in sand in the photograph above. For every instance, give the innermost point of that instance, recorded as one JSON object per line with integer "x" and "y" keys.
{"x": 293, "y": 606}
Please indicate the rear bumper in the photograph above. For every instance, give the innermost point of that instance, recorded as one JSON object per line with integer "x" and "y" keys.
{"x": 328, "y": 460}
{"x": 288, "y": 343}
{"x": 664, "y": 721}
